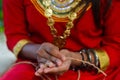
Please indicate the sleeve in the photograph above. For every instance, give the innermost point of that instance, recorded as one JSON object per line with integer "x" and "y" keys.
{"x": 111, "y": 39}
{"x": 15, "y": 24}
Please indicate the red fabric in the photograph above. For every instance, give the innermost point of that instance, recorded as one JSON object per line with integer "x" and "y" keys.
{"x": 23, "y": 21}
{"x": 26, "y": 72}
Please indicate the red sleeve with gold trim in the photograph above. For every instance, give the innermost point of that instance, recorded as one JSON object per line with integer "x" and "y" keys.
{"x": 111, "y": 38}
{"x": 14, "y": 22}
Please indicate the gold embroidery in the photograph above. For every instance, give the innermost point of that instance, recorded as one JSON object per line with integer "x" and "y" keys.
{"x": 37, "y": 4}
{"x": 17, "y": 48}
{"x": 103, "y": 58}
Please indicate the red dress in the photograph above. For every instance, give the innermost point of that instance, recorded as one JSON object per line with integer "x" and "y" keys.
{"x": 23, "y": 21}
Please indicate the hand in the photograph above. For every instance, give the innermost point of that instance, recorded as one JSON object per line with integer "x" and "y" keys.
{"x": 62, "y": 68}
{"x": 50, "y": 52}
{"x": 42, "y": 64}
{"x": 70, "y": 56}
{"x": 75, "y": 57}
{"x": 59, "y": 69}
{"x": 50, "y": 55}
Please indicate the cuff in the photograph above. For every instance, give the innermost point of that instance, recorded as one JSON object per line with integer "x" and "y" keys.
{"x": 20, "y": 44}
{"x": 103, "y": 59}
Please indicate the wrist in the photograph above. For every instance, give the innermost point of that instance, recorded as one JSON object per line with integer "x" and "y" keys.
{"x": 30, "y": 51}
{"x": 89, "y": 58}
{"x": 76, "y": 59}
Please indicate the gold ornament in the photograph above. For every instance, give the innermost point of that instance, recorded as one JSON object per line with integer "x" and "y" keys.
{"x": 47, "y": 2}
{"x": 48, "y": 12}
{"x": 71, "y": 15}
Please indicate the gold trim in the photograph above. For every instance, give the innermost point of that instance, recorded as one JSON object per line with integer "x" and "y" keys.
{"x": 103, "y": 58}
{"x": 17, "y": 48}
{"x": 57, "y": 19}
{"x": 90, "y": 5}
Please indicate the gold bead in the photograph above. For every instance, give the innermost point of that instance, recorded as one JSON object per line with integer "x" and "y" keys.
{"x": 72, "y": 16}
{"x": 61, "y": 37}
{"x": 69, "y": 25}
{"x": 53, "y": 32}
{"x": 67, "y": 32}
{"x": 50, "y": 22}
{"x": 48, "y": 12}
{"x": 47, "y": 2}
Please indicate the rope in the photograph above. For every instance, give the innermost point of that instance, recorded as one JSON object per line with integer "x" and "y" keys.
{"x": 45, "y": 77}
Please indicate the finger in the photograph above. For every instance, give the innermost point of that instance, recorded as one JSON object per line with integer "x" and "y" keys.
{"x": 42, "y": 53}
{"x": 41, "y": 59}
{"x": 56, "y": 61}
{"x": 40, "y": 70}
{"x": 45, "y": 55}
{"x": 53, "y": 50}
{"x": 58, "y": 69}
{"x": 50, "y": 64}
{"x": 45, "y": 61}
{"x": 37, "y": 74}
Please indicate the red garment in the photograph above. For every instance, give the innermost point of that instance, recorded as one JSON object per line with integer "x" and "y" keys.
{"x": 26, "y": 72}
{"x": 23, "y": 21}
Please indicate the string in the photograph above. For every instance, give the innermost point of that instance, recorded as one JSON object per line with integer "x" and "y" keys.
{"x": 46, "y": 77}
{"x": 78, "y": 75}
{"x": 99, "y": 70}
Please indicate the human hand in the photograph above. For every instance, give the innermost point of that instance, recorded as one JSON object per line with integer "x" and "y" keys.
{"x": 69, "y": 55}
{"x": 49, "y": 55}
{"x": 58, "y": 69}
{"x": 71, "y": 60}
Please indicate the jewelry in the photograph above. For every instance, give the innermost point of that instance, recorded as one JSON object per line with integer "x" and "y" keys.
{"x": 84, "y": 66}
{"x": 95, "y": 57}
{"x": 61, "y": 8}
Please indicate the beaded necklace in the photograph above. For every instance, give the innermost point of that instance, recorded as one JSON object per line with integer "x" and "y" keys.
{"x": 61, "y": 8}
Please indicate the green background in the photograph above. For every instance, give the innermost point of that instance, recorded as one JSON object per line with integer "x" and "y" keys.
{"x": 1, "y": 17}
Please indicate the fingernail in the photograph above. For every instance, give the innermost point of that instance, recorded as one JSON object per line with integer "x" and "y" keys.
{"x": 59, "y": 62}
{"x": 51, "y": 65}
{"x": 46, "y": 70}
{"x": 37, "y": 74}
{"x": 40, "y": 71}
{"x": 63, "y": 57}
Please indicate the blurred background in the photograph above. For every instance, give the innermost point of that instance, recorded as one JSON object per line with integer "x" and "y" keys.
{"x": 1, "y": 17}
{"x": 6, "y": 57}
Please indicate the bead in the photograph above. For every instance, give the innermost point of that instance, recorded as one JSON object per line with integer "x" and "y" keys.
{"x": 69, "y": 25}
{"x": 47, "y": 2}
{"x": 53, "y": 31}
{"x": 50, "y": 22}
{"x": 67, "y": 33}
{"x": 59, "y": 41}
{"x": 48, "y": 12}
{"x": 72, "y": 16}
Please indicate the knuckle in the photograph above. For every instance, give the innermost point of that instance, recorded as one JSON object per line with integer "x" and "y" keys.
{"x": 42, "y": 60}
{"x": 40, "y": 52}
{"x": 48, "y": 57}
{"x": 53, "y": 58}
{"x": 51, "y": 49}
{"x": 46, "y": 44}
{"x": 64, "y": 51}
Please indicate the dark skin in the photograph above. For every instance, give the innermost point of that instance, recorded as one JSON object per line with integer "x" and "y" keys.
{"x": 58, "y": 61}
